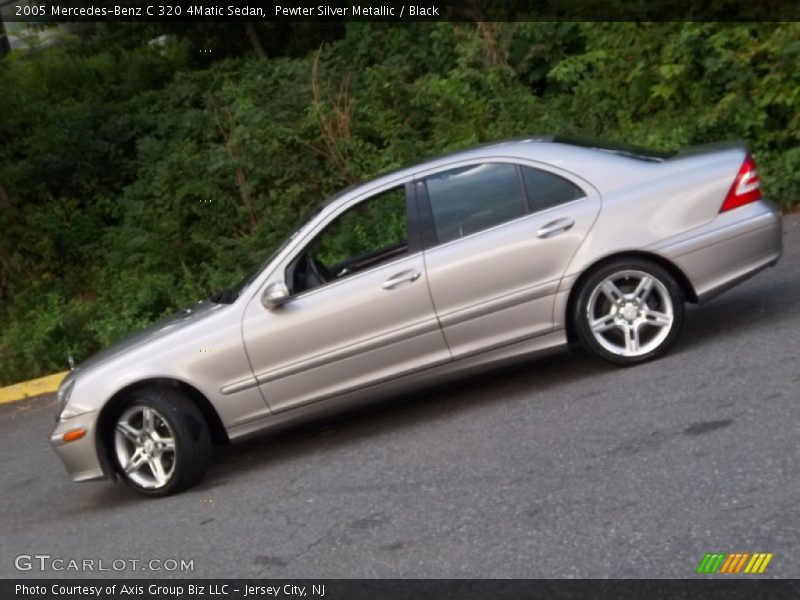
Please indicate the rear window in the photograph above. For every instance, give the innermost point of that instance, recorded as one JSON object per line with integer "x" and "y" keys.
{"x": 546, "y": 190}
{"x": 628, "y": 150}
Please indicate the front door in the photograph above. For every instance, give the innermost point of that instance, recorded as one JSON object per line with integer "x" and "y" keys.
{"x": 360, "y": 311}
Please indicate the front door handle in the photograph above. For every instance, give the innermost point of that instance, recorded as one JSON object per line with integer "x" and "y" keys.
{"x": 554, "y": 227}
{"x": 399, "y": 278}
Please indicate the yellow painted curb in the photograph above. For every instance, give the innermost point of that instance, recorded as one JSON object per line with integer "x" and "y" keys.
{"x": 34, "y": 387}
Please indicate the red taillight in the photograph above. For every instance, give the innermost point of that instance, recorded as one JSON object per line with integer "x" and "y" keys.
{"x": 746, "y": 187}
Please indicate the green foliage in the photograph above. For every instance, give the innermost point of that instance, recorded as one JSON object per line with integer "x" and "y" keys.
{"x": 138, "y": 177}
{"x": 373, "y": 225}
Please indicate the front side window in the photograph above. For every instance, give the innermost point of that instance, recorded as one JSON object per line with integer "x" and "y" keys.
{"x": 546, "y": 190}
{"x": 470, "y": 199}
{"x": 368, "y": 234}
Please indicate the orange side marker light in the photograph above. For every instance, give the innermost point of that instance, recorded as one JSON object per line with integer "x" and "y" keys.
{"x": 74, "y": 434}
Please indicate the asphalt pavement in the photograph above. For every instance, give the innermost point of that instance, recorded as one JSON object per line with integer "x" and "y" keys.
{"x": 560, "y": 467}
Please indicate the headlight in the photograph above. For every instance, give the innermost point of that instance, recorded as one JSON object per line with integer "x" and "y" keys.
{"x": 63, "y": 394}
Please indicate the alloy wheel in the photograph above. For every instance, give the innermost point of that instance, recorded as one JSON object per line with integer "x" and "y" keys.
{"x": 144, "y": 442}
{"x": 630, "y": 313}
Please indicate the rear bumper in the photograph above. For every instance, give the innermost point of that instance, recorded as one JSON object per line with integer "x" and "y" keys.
{"x": 735, "y": 246}
{"x": 80, "y": 457}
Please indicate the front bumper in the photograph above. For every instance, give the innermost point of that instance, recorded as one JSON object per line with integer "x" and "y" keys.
{"x": 80, "y": 457}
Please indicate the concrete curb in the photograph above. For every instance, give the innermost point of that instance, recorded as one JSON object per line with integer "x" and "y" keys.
{"x": 34, "y": 387}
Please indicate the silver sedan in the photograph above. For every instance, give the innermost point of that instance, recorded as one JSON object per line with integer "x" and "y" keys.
{"x": 461, "y": 263}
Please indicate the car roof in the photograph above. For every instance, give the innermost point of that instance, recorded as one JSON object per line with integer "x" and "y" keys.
{"x": 545, "y": 142}
{"x": 585, "y": 157}
{"x": 571, "y": 153}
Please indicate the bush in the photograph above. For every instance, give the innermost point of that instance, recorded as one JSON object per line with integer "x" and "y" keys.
{"x": 136, "y": 179}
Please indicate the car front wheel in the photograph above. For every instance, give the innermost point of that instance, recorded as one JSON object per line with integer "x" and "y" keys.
{"x": 629, "y": 311}
{"x": 161, "y": 443}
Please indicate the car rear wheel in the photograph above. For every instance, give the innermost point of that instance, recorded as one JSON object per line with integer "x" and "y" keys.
{"x": 160, "y": 443}
{"x": 629, "y": 311}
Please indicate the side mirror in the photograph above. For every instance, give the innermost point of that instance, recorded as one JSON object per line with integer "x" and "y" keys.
{"x": 275, "y": 295}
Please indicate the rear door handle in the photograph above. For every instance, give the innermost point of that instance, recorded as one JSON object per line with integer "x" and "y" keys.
{"x": 400, "y": 278}
{"x": 555, "y": 227}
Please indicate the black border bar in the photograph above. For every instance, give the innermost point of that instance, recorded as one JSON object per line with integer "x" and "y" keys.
{"x": 401, "y": 589}
{"x": 62, "y": 11}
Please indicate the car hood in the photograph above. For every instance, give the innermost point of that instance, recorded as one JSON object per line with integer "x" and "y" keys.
{"x": 156, "y": 331}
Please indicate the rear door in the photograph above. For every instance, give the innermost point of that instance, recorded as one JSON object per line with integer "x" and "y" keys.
{"x": 499, "y": 238}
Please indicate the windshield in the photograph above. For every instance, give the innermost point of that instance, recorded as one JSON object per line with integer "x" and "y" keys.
{"x": 230, "y": 295}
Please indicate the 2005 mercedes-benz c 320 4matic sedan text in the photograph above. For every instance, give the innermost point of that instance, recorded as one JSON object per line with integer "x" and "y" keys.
{"x": 459, "y": 263}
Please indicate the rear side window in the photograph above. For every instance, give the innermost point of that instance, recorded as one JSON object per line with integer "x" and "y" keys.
{"x": 546, "y": 190}
{"x": 473, "y": 198}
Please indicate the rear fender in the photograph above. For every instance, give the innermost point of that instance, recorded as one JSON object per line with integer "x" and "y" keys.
{"x": 683, "y": 194}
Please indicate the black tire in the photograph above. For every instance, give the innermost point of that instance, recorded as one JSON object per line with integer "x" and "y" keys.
{"x": 590, "y": 298}
{"x": 189, "y": 432}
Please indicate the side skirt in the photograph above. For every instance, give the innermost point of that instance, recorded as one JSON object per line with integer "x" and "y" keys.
{"x": 497, "y": 357}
